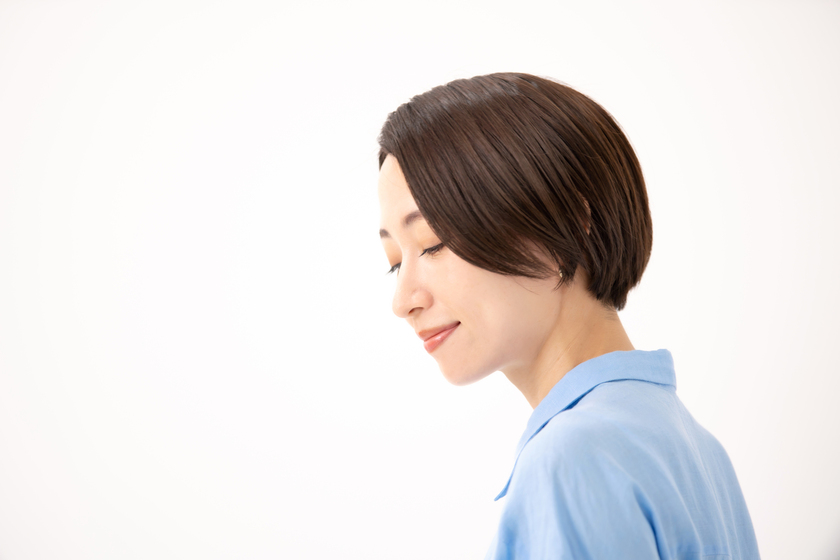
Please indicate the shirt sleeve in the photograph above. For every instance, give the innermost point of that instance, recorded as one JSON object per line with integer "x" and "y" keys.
{"x": 572, "y": 502}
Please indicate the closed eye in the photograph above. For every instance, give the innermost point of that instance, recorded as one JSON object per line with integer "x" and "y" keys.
{"x": 432, "y": 250}
{"x": 429, "y": 251}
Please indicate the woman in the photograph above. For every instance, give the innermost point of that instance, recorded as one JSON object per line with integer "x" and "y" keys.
{"x": 515, "y": 216}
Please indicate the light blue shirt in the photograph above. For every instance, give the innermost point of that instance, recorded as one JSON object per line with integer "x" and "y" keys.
{"x": 612, "y": 466}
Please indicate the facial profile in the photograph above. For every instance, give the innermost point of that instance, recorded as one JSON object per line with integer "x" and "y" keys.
{"x": 503, "y": 163}
{"x": 473, "y": 321}
{"x": 515, "y": 216}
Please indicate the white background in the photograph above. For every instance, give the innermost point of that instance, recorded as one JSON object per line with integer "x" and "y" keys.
{"x": 197, "y": 353}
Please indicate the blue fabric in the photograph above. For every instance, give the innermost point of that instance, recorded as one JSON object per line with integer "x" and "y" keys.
{"x": 612, "y": 466}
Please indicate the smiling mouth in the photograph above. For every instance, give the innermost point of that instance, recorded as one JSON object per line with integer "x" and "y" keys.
{"x": 436, "y": 339}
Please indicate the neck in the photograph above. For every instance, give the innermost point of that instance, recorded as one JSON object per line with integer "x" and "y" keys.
{"x": 584, "y": 329}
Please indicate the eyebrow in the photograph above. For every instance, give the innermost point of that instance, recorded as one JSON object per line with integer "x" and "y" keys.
{"x": 409, "y": 219}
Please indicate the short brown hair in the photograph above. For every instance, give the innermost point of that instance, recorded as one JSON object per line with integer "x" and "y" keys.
{"x": 499, "y": 164}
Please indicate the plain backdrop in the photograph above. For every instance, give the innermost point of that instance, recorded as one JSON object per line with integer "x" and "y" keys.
{"x": 198, "y": 357}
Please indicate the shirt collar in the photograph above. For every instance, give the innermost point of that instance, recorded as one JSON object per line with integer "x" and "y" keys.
{"x": 654, "y": 367}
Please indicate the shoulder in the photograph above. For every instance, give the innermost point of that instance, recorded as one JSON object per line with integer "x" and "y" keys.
{"x": 627, "y": 456}
{"x": 572, "y": 479}
{"x": 621, "y": 440}
{"x": 615, "y": 422}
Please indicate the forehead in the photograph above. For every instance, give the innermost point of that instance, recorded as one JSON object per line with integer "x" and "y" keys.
{"x": 395, "y": 200}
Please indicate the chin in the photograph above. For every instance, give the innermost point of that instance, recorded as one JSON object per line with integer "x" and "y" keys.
{"x": 460, "y": 376}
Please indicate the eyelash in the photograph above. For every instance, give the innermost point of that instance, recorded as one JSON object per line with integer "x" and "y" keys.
{"x": 429, "y": 251}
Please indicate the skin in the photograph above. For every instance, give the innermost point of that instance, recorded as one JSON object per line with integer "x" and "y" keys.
{"x": 526, "y": 328}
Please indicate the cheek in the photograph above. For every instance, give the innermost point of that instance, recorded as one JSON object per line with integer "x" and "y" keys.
{"x": 514, "y": 323}
{"x": 480, "y": 338}
{"x": 489, "y": 331}
{"x": 503, "y": 319}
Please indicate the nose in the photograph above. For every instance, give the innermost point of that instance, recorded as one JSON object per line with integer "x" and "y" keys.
{"x": 411, "y": 294}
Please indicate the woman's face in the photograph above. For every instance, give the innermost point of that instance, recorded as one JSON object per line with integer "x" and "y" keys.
{"x": 472, "y": 321}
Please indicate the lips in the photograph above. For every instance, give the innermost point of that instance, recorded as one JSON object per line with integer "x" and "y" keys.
{"x": 432, "y": 338}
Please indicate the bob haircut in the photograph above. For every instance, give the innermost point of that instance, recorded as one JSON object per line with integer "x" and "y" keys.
{"x": 521, "y": 175}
